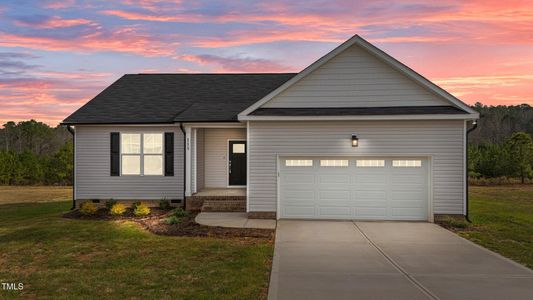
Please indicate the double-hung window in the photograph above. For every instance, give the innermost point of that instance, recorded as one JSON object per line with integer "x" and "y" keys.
{"x": 141, "y": 153}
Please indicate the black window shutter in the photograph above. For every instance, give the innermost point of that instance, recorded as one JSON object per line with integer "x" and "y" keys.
{"x": 169, "y": 153}
{"x": 115, "y": 154}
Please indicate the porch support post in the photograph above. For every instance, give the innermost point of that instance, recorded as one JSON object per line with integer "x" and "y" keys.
{"x": 188, "y": 161}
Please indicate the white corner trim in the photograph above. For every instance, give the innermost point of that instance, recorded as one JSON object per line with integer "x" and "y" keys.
{"x": 465, "y": 167}
{"x": 357, "y": 118}
{"x": 188, "y": 162}
{"x": 373, "y": 50}
{"x": 247, "y": 166}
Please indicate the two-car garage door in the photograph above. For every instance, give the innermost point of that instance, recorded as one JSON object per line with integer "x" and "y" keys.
{"x": 365, "y": 188}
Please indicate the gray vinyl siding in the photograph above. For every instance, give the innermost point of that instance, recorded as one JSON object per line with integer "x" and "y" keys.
{"x": 355, "y": 78}
{"x": 442, "y": 140}
{"x": 93, "y": 162}
{"x": 216, "y": 151}
{"x": 200, "y": 182}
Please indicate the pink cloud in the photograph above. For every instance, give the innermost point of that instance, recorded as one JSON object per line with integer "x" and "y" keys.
{"x": 121, "y": 40}
{"x": 54, "y": 4}
{"x": 236, "y": 64}
{"x": 55, "y": 22}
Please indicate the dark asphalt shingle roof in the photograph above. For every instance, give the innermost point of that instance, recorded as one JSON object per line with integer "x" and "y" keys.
{"x": 167, "y": 98}
{"x": 358, "y": 111}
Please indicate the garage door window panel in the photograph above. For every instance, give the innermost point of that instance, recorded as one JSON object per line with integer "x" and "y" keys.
{"x": 298, "y": 163}
{"x": 407, "y": 163}
{"x": 370, "y": 163}
{"x": 333, "y": 162}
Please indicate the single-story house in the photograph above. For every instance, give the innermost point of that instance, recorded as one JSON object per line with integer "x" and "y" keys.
{"x": 355, "y": 135}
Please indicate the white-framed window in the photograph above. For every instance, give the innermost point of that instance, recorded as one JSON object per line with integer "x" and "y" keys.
{"x": 333, "y": 162}
{"x": 298, "y": 162}
{"x": 407, "y": 163}
{"x": 370, "y": 163}
{"x": 141, "y": 153}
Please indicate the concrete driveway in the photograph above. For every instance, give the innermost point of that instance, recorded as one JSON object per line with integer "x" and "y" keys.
{"x": 388, "y": 260}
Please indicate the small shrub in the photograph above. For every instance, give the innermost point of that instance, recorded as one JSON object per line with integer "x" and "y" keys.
{"x": 173, "y": 220}
{"x": 135, "y": 204}
{"x": 110, "y": 203}
{"x": 88, "y": 208}
{"x": 117, "y": 209}
{"x": 164, "y": 204}
{"x": 141, "y": 210}
{"x": 180, "y": 213}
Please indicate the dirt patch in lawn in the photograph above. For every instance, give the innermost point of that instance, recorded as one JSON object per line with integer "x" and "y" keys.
{"x": 188, "y": 227}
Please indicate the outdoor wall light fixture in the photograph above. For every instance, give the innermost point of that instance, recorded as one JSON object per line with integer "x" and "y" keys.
{"x": 355, "y": 140}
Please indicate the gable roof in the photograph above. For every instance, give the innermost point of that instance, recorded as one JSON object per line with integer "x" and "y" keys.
{"x": 169, "y": 98}
{"x": 384, "y": 57}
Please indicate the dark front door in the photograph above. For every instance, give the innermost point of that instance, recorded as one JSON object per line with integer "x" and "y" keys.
{"x": 237, "y": 163}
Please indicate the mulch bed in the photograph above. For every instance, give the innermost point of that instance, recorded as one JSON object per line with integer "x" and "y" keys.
{"x": 188, "y": 227}
{"x": 103, "y": 214}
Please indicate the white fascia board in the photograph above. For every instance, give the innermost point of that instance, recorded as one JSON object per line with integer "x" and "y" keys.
{"x": 386, "y": 58}
{"x": 356, "y": 118}
{"x": 214, "y": 125}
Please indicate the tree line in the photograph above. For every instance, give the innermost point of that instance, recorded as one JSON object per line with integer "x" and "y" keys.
{"x": 32, "y": 152}
{"x": 501, "y": 145}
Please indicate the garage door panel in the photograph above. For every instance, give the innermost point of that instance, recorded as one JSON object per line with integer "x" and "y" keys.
{"x": 299, "y": 195}
{"x": 299, "y": 178}
{"x": 369, "y": 213}
{"x": 338, "y": 179}
{"x": 364, "y": 191}
{"x": 335, "y": 211}
{"x": 407, "y": 213}
{"x": 296, "y": 211}
{"x": 334, "y": 195}
{"x": 409, "y": 196}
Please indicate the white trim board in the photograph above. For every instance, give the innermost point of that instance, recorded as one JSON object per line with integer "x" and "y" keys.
{"x": 381, "y": 55}
{"x": 358, "y": 118}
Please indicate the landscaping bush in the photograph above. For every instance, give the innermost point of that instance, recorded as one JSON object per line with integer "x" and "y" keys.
{"x": 88, "y": 208}
{"x": 141, "y": 210}
{"x": 164, "y": 204}
{"x": 110, "y": 203}
{"x": 180, "y": 213}
{"x": 173, "y": 220}
{"x": 117, "y": 209}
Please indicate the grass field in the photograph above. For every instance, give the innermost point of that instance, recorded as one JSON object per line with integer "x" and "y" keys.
{"x": 502, "y": 220}
{"x": 64, "y": 258}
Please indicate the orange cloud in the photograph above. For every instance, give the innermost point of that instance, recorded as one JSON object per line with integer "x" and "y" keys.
{"x": 122, "y": 40}
{"x": 236, "y": 64}
{"x": 55, "y": 22}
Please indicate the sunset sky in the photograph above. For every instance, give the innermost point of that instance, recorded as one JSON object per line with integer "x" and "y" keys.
{"x": 57, "y": 55}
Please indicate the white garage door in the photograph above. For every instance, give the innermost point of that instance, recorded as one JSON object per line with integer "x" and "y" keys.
{"x": 372, "y": 188}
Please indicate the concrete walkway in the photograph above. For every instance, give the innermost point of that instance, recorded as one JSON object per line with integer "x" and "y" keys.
{"x": 233, "y": 219}
{"x": 388, "y": 260}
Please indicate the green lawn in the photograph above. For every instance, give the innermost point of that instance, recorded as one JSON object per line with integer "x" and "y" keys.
{"x": 502, "y": 220}
{"x": 63, "y": 258}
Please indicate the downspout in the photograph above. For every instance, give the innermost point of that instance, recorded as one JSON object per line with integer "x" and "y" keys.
{"x": 71, "y": 130}
{"x": 467, "y": 216}
{"x": 184, "y": 165}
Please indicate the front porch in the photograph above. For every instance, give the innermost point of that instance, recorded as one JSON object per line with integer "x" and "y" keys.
{"x": 216, "y": 167}
{"x": 218, "y": 200}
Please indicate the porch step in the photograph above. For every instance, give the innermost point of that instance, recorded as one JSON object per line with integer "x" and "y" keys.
{"x": 225, "y": 204}
{"x": 217, "y": 203}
